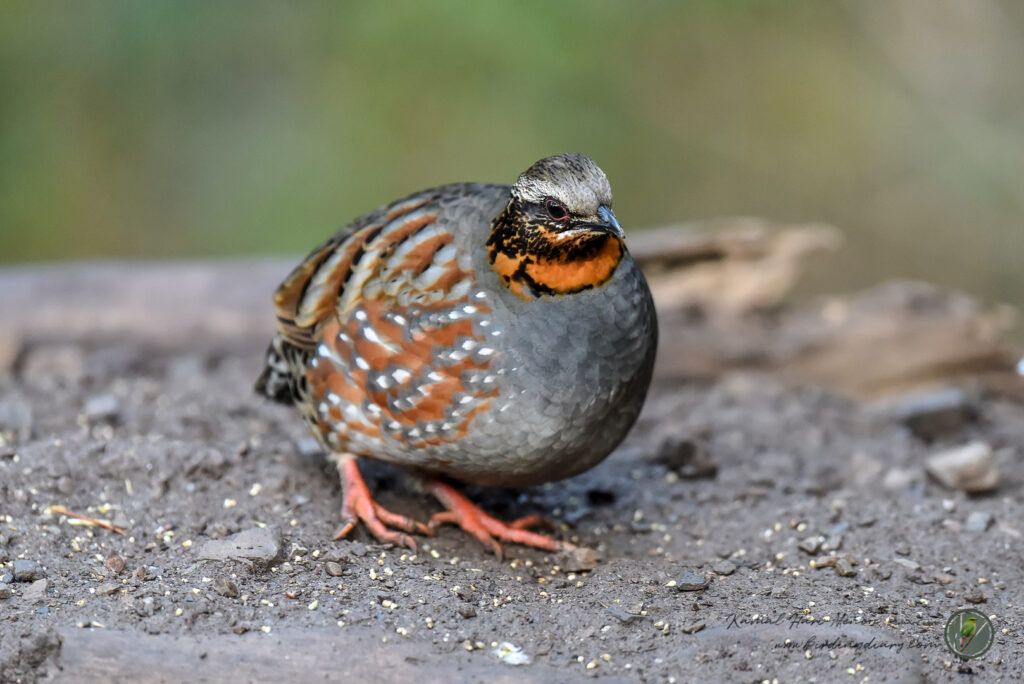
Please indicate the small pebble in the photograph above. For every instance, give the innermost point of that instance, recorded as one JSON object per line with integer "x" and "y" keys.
{"x": 27, "y": 570}
{"x": 844, "y": 568}
{"x": 15, "y": 421}
{"x": 578, "y": 559}
{"x": 102, "y": 408}
{"x": 691, "y": 581}
{"x": 467, "y": 611}
{"x": 115, "y": 564}
{"x": 5, "y": 590}
{"x": 934, "y": 414}
{"x": 978, "y": 521}
{"x": 36, "y": 591}
{"x": 333, "y": 568}
{"x": 900, "y": 478}
{"x": 974, "y": 595}
{"x": 225, "y": 587}
{"x": 970, "y": 468}
{"x": 694, "y": 628}
{"x": 810, "y": 545}
{"x": 723, "y": 568}
{"x": 833, "y": 543}
{"x": 907, "y": 563}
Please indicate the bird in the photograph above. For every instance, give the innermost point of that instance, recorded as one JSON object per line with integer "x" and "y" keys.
{"x": 967, "y": 631}
{"x": 478, "y": 333}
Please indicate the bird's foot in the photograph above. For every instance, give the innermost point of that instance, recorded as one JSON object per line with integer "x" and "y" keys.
{"x": 358, "y": 504}
{"x": 488, "y": 530}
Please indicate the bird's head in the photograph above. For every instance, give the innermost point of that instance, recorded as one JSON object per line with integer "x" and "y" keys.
{"x": 558, "y": 234}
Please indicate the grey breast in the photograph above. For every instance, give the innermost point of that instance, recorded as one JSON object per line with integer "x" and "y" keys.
{"x": 572, "y": 370}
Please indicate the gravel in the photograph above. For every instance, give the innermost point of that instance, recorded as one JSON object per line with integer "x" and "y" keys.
{"x": 228, "y": 550}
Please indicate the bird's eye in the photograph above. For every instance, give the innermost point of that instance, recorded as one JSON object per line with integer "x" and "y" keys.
{"x": 556, "y": 209}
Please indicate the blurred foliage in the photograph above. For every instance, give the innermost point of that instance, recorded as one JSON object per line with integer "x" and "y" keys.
{"x": 171, "y": 127}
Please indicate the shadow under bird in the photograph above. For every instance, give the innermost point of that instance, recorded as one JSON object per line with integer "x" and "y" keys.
{"x": 490, "y": 334}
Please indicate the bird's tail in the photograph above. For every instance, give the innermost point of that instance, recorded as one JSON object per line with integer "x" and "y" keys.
{"x": 275, "y": 380}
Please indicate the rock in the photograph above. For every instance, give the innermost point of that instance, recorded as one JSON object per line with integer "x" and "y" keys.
{"x": 467, "y": 611}
{"x": 27, "y": 570}
{"x": 974, "y": 595}
{"x": 147, "y": 607}
{"x": 900, "y": 478}
{"x": 978, "y": 521}
{"x": 970, "y": 468}
{"x": 36, "y": 591}
{"x": 5, "y": 590}
{"x": 833, "y": 543}
{"x": 723, "y": 568}
{"x": 691, "y": 581}
{"x": 333, "y": 568}
{"x": 115, "y": 564}
{"x": 910, "y": 565}
{"x": 15, "y": 422}
{"x": 810, "y": 545}
{"x": 694, "y": 628}
{"x": 225, "y": 587}
{"x": 684, "y": 457}
{"x": 932, "y": 414}
{"x": 148, "y": 573}
{"x": 844, "y": 568}
{"x": 578, "y": 559}
{"x": 254, "y": 545}
{"x": 102, "y": 408}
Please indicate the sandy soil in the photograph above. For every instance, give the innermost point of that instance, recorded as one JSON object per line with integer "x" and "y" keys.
{"x": 748, "y": 531}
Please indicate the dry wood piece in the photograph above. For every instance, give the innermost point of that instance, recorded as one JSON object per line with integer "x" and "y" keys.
{"x": 730, "y": 267}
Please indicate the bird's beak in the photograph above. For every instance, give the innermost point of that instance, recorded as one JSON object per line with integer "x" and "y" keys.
{"x": 610, "y": 221}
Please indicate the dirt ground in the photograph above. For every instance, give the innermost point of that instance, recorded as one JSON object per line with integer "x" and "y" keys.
{"x": 748, "y": 529}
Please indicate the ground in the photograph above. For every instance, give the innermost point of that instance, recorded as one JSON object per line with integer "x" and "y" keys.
{"x": 748, "y": 530}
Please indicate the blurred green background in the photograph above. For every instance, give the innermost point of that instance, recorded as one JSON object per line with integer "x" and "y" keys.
{"x": 176, "y": 128}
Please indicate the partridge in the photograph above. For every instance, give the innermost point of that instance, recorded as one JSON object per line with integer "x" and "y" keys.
{"x": 490, "y": 334}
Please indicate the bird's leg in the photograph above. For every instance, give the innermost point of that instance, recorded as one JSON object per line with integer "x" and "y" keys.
{"x": 488, "y": 530}
{"x": 357, "y": 504}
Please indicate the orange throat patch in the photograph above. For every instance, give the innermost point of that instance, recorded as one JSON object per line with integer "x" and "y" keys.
{"x": 556, "y": 267}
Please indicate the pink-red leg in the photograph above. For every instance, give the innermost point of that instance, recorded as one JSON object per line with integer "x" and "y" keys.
{"x": 358, "y": 505}
{"x": 488, "y": 530}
